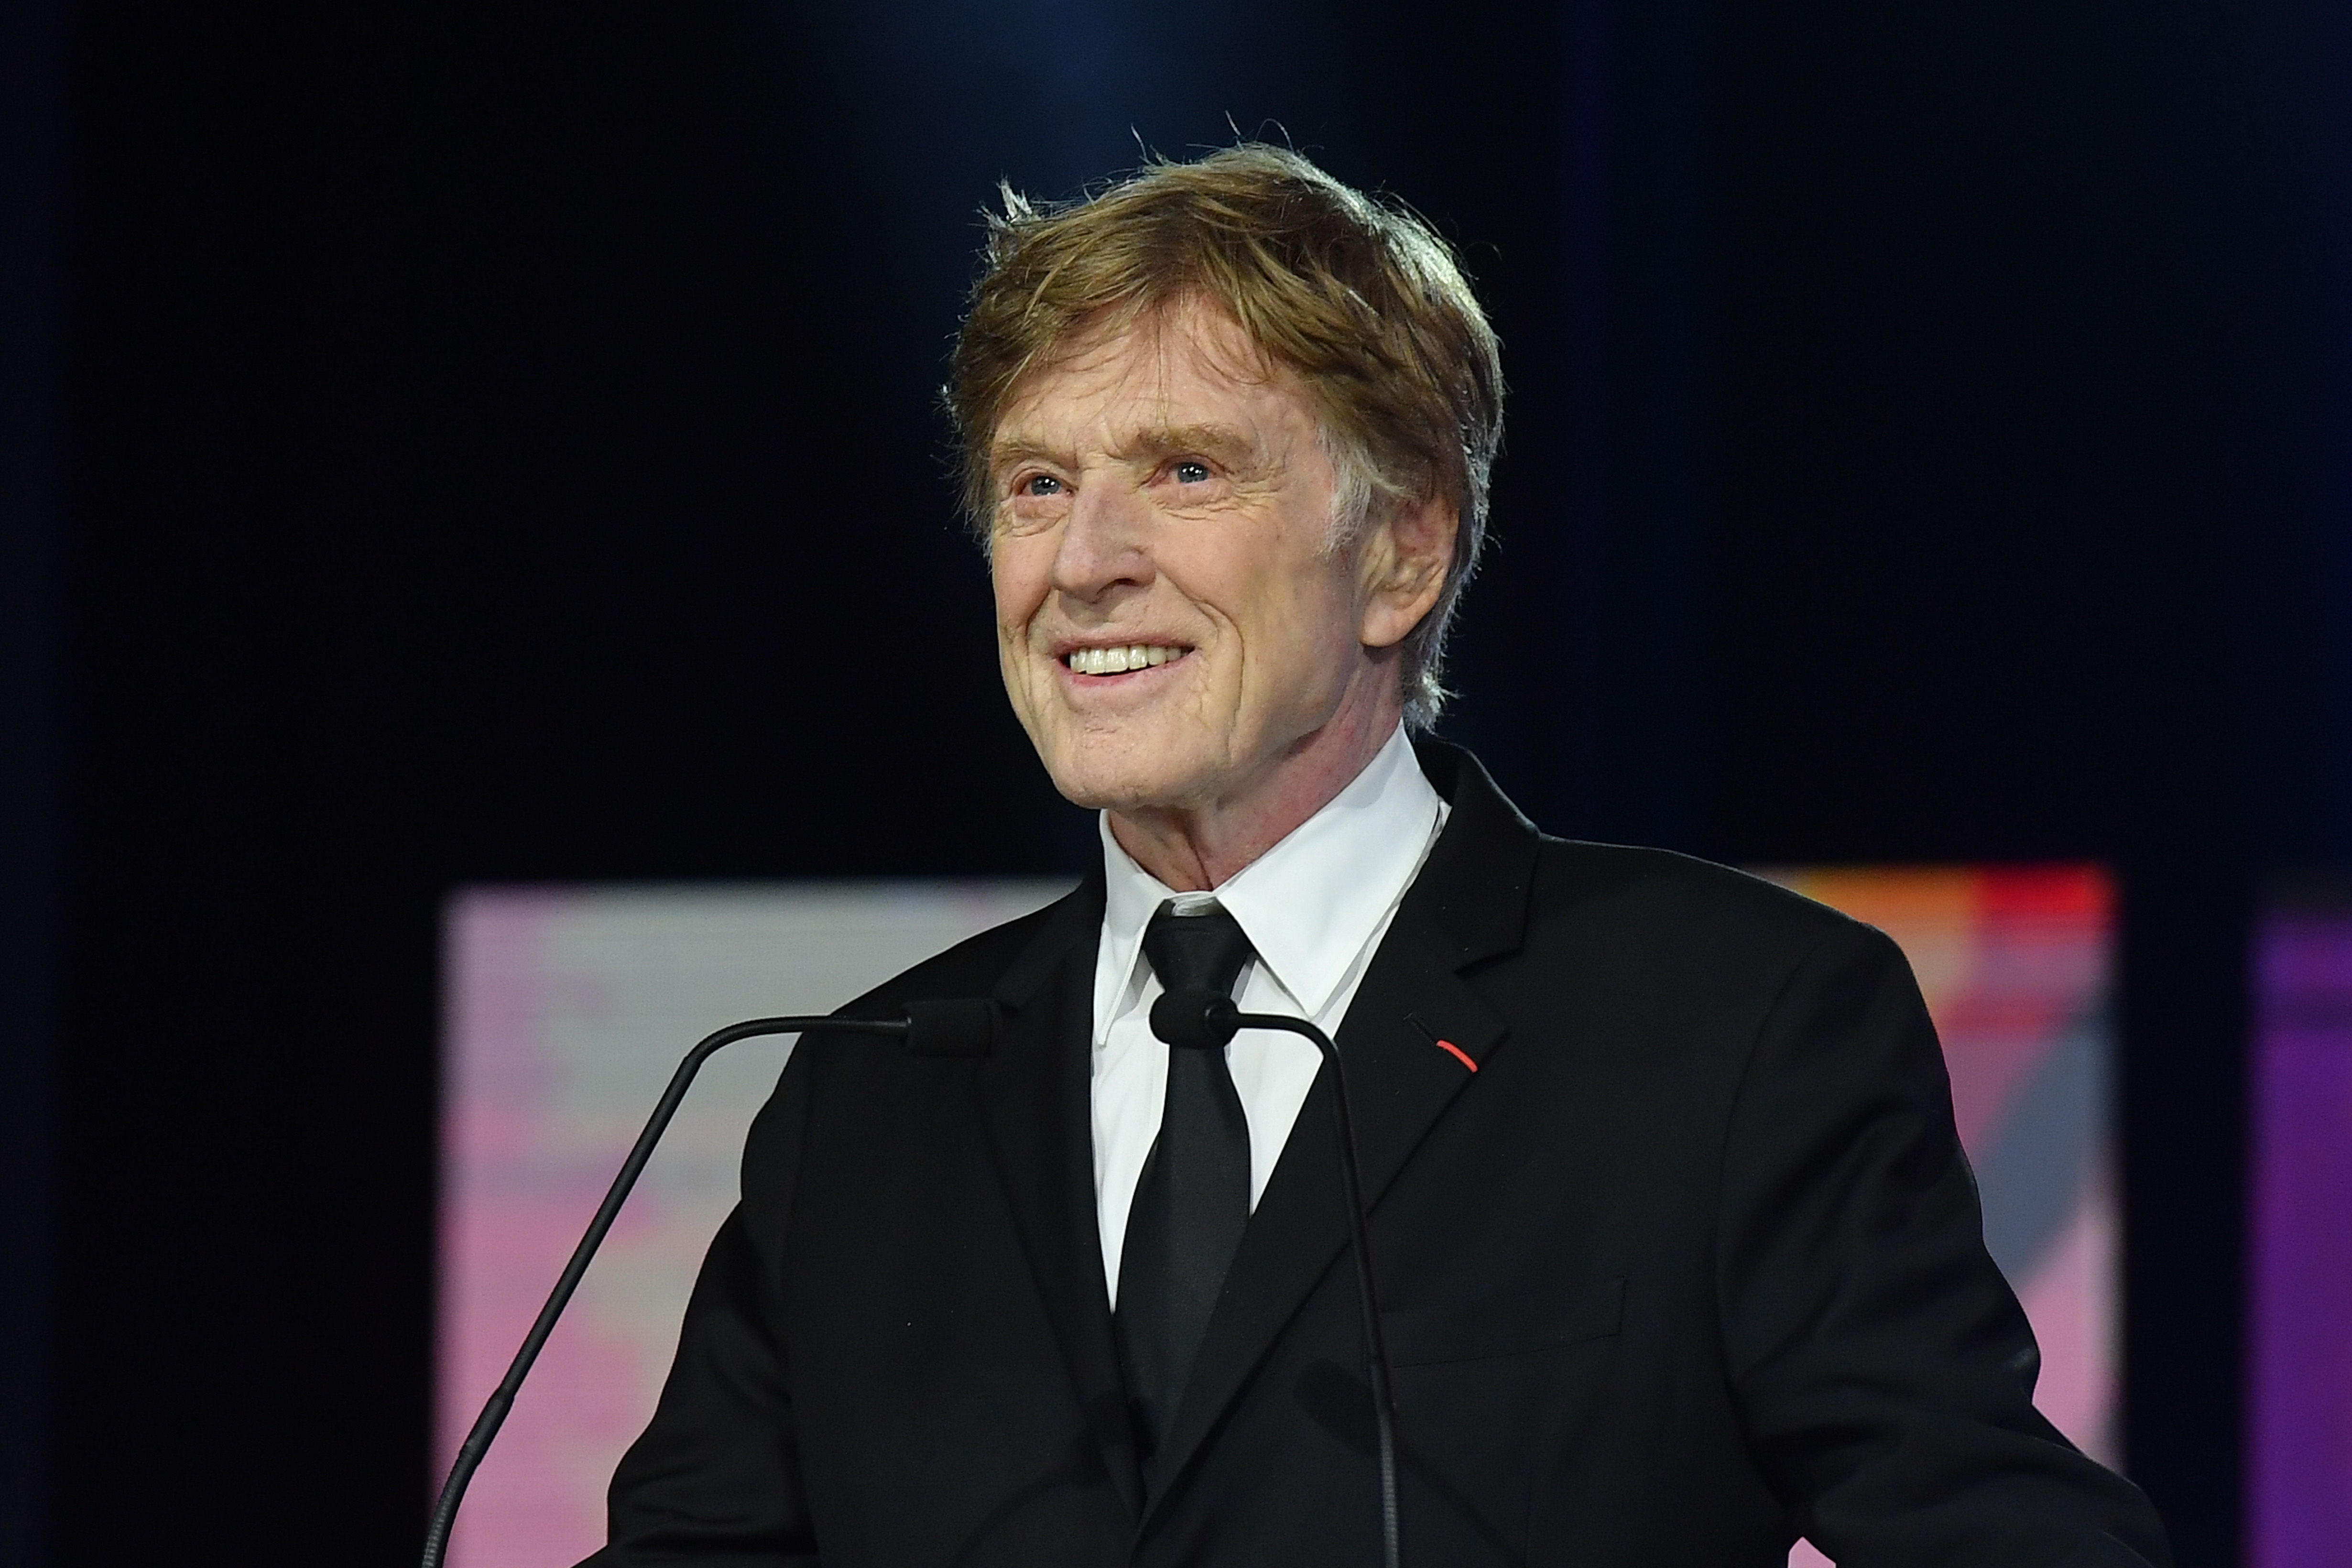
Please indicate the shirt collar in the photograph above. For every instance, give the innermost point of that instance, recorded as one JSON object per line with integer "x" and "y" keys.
{"x": 1309, "y": 904}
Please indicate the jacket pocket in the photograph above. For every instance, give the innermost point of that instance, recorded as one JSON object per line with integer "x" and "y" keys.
{"x": 1508, "y": 1325}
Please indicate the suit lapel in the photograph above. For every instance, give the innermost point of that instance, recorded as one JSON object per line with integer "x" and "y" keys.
{"x": 1468, "y": 904}
{"x": 1034, "y": 1099}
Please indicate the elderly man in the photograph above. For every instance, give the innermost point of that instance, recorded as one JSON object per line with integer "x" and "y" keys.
{"x": 1678, "y": 1254}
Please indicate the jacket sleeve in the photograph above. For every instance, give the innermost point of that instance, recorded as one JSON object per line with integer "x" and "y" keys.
{"x": 716, "y": 1477}
{"x": 1883, "y": 1367}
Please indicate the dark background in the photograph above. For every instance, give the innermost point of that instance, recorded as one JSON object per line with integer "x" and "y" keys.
{"x": 455, "y": 443}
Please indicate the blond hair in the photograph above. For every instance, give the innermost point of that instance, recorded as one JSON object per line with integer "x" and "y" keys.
{"x": 1357, "y": 297}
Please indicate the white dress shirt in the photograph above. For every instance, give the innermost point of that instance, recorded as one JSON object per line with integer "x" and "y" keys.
{"x": 1315, "y": 908}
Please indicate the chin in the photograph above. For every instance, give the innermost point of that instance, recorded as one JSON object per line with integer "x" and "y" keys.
{"x": 1126, "y": 778}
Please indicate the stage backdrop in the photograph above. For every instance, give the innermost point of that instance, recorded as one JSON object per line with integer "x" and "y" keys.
{"x": 568, "y": 1008}
{"x": 2299, "y": 1323}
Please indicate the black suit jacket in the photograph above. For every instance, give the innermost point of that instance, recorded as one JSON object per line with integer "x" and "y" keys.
{"x": 1690, "y": 1263}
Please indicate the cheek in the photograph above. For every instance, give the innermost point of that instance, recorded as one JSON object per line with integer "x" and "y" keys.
{"x": 1305, "y": 606}
{"x": 1017, "y": 572}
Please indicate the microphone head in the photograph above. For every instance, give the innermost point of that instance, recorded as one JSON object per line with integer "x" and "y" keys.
{"x": 1196, "y": 1020}
{"x": 962, "y": 1027}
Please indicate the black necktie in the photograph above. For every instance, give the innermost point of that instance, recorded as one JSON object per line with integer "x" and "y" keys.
{"x": 1192, "y": 1200}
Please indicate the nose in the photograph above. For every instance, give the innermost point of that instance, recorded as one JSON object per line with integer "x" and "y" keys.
{"x": 1104, "y": 543}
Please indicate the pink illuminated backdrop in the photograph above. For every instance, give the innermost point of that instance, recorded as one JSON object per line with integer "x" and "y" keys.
{"x": 2016, "y": 965}
{"x": 566, "y": 1012}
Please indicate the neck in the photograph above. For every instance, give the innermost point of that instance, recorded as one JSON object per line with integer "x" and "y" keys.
{"x": 1196, "y": 848}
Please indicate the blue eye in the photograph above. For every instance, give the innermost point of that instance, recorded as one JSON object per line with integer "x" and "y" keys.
{"x": 1041, "y": 484}
{"x": 1189, "y": 472}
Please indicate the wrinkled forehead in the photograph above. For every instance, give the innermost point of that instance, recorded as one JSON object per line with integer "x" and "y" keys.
{"x": 1146, "y": 354}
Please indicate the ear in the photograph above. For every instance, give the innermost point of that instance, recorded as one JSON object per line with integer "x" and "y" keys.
{"x": 1402, "y": 566}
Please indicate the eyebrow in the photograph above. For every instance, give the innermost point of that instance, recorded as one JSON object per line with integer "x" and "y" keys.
{"x": 1226, "y": 443}
{"x": 1004, "y": 455}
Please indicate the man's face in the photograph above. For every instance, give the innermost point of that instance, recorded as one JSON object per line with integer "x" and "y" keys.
{"x": 1172, "y": 619}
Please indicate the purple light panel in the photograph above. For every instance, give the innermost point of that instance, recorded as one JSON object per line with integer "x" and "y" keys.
{"x": 2299, "y": 1492}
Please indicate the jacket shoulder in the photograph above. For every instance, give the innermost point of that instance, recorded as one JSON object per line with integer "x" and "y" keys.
{"x": 978, "y": 965}
{"x": 1678, "y": 907}
{"x": 1619, "y": 903}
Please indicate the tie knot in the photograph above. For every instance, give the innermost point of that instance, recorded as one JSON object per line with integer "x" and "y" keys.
{"x": 1198, "y": 949}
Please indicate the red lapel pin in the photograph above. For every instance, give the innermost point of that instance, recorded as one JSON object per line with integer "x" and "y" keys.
{"x": 1458, "y": 1053}
{"x": 1448, "y": 1047}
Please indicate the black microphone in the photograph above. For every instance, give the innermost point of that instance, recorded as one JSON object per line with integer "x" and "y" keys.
{"x": 1206, "y": 1021}
{"x": 963, "y": 1027}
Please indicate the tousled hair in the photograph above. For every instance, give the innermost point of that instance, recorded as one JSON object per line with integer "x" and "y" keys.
{"x": 1356, "y": 296}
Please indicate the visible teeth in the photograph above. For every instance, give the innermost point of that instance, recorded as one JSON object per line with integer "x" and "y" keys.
{"x": 1119, "y": 660}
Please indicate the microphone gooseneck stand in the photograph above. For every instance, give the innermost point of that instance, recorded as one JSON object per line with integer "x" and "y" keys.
{"x": 959, "y": 1028}
{"x": 1204, "y": 1020}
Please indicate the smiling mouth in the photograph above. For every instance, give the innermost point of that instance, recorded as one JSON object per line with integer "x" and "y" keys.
{"x": 1122, "y": 660}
